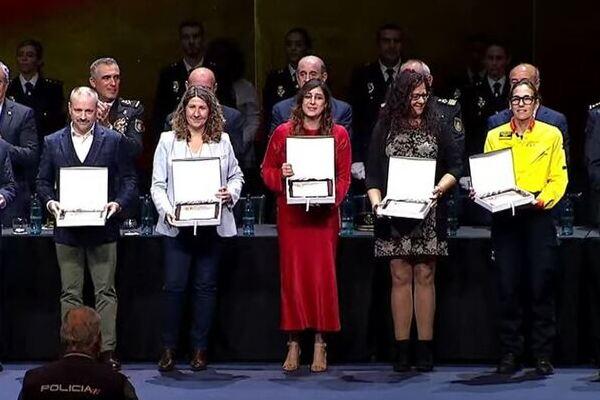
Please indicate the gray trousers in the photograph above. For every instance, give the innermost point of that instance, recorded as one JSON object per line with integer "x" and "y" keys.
{"x": 102, "y": 263}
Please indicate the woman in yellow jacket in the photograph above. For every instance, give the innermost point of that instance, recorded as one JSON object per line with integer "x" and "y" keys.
{"x": 525, "y": 244}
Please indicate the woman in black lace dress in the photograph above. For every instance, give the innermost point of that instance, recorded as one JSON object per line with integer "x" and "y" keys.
{"x": 410, "y": 126}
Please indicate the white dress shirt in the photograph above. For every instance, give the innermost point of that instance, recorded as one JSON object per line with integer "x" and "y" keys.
{"x": 384, "y": 69}
{"x": 501, "y": 81}
{"x": 82, "y": 143}
{"x": 23, "y": 81}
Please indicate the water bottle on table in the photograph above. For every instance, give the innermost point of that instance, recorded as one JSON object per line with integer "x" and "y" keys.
{"x": 347, "y": 216}
{"x": 35, "y": 216}
{"x": 147, "y": 220}
{"x": 248, "y": 217}
{"x": 452, "y": 219}
{"x": 567, "y": 217}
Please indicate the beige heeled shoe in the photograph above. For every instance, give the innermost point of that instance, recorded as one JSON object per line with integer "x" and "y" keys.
{"x": 292, "y": 360}
{"x": 319, "y": 363}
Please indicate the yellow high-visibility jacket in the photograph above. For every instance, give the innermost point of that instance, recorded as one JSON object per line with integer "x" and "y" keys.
{"x": 538, "y": 157}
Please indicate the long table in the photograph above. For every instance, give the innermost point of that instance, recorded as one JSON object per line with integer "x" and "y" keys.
{"x": 247, "y": 320}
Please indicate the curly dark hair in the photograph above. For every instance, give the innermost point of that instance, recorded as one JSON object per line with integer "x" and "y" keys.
{"x": 214, "y": 123}
{"x": 397, "y": 109}
{"x": 297, "y": 115}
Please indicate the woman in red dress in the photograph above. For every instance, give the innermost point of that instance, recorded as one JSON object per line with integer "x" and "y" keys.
{"x": 308, "y": 239}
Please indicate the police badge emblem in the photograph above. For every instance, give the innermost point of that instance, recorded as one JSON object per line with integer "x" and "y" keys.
{"x": 480, "y": 102}
{"x": 175, "y": 86}
{"x": 120, "y": 125}
{"x": 458, "y": 125}
{"x": 370, "y": 87}
{"x": 280, "y": 91}
{"x": 139, "y": 126}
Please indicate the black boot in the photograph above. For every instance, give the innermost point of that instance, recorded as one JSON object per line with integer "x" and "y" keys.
{"x": 424, "y": 356}
{"x": 401, "y": 362}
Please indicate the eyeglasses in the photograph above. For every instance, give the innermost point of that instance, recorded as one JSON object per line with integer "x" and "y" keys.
{"x": 417, "y": 96}
{"x": 527, "y": 100}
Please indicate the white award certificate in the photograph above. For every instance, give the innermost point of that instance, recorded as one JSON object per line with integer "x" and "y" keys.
{"x": 313, "y": 162}
{"x": 196, "y": 182}
{"x": 83, "y": 193}
{"x": 409, "y": 188}
{"x": 494, "y": 184}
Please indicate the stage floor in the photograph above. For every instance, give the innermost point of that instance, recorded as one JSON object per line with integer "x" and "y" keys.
{"x": 347, "y": 382}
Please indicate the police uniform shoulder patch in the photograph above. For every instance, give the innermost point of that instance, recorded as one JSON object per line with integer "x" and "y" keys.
{"x": 130, "y": 103}
{"x": 596, "y": 105}
{"x": 450, "y": 102}
{"x": 120, "y": 125}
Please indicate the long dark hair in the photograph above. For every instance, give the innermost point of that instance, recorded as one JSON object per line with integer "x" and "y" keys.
{"x": 397, "y": 109}
{"x": 297, "y": 115}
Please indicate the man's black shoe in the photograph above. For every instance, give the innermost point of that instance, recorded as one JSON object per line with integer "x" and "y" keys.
{"x": 109, "y": 357}
{"x": 508, "y": 365}
{"x": 543, "y": 366}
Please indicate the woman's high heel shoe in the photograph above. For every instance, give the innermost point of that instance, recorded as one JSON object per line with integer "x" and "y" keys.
{"x": 292, "y": 360}
{"x": 319, "y": 363}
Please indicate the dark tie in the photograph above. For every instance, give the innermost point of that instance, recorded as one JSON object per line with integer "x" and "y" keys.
{"x": 389, "y": 76}
{"x": 28, "y": 88}
{"x": 497, "y": 86}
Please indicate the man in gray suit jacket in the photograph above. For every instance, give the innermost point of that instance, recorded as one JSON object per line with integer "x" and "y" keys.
{"x": 311, "y": 67}
{"x": 18, "y": 131}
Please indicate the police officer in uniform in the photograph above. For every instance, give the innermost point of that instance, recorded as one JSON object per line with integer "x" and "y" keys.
{"x": 524, "y": 242}
{"x": 78, "y": 374}
{"x": 592, "y": 161}
{"x": 592, "y": 158}
{"x": 123, "y": 116}
{"x": 32, "y": 89}
{"x": 486, "y": 97}
{"x": 281, "y": 83}
{"x": 171, "y": 81}
{"x": 367, "y": 93}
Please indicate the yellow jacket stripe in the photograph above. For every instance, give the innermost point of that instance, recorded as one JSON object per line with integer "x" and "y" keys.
{"x": 538, "y": 157}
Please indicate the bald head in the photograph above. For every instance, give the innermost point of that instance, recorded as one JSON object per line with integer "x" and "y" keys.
{"x": 419, "y": 67}
{"x": 310, "y": 67}
{"x": 525, "y": 71}
{"x": 80, "y": 330}
{"x": 202, "y": 77}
